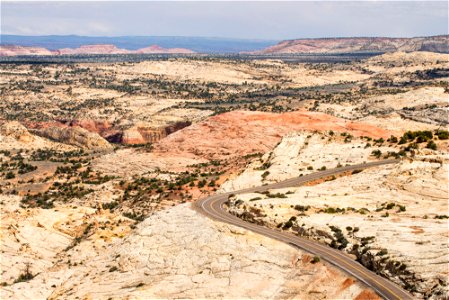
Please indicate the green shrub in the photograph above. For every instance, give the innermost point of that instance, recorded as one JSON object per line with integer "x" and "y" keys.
{"x": 377, "y": 153}
{"x": 431, "y": 145}
{"x": 442, "y": 134}
{"x": 10, "y": 175}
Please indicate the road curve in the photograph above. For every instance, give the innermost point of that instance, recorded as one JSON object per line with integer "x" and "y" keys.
{"x": 213, "y": 208}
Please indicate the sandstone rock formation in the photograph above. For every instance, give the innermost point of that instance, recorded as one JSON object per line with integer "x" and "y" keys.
{"x": 14, "y": 50}
{"x": 228, "y": 135}
{"x": 139, "y": 133}
{"x": 302, "y": 153}
{"x": 76, "y": 136}
{"x": 132, "y": 136}
{"x": 405, "y": 203}
{"x": 178, "y": 253}
{"x": 350, "y": 45}
{"x": 417, "y": 109}
{"x": 144, "y": 133}
{"x": 16, "y": 131}
{"x": 13, "y": 135}
{"x": 245, "y": 132}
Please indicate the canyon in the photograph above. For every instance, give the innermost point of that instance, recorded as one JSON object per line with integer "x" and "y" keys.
{"x": 100, "y": 164}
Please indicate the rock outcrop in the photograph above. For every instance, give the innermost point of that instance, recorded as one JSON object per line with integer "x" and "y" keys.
{"x": 13, "y": 135}
{"x": 245, "y": 132}
{"x": 404, "y": 202}
{"x": 141, "y": 134}
{"x": 227, "y": 136}
{"x": 14, "y": 50}
{"x": 75, "y": 136}
{"x": 177, "y": 253}
{"x": 369, "y": 44}
{"x": 16, "y": 131}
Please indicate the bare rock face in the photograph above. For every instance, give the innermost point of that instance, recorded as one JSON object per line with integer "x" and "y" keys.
{"x": 404, "y": 202}
{"x": 97, "y": 126}
{"x": 16, "y": 131}
{"x": 143, "y": 134}
{"x": 229, "y": 135}
{"x": 13, "y": 135}
{"x": 13, "y": 50}
{"x": 132, "y": 136}
{"x": 245, "y": 132}
{"x": 76, "y": 136}
{"x": 177, "y": 253}
{"x": 348, "y": 45}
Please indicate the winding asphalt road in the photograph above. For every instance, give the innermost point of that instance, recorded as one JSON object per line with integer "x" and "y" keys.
{"x": 213, "y": 208}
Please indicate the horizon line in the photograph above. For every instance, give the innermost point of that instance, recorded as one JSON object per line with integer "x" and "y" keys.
{"x": 223, "y": 38}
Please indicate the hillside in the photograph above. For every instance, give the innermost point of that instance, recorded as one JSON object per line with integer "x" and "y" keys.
{"x": 196, "y": 44}
{"x": 101, "y": 163}
{"x": 363, "y": 44}
{"x": 13, "y": 50}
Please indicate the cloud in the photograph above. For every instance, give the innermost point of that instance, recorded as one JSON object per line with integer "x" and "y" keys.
{"x": 265, "y": 20}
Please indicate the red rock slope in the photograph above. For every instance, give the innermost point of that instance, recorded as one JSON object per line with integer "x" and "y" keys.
{"x": 245, "y": 132}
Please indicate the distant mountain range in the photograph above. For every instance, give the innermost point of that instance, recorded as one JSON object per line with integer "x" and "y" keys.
{"x": 195, "y": 44}
{"x": 14, "y": 50}
{"x": 12, "y": 45}
{"x": 360, "y": 44}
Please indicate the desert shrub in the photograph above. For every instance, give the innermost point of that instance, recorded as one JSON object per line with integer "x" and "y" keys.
{"x": 255, "y": 199}
{"x": 302, "y": 208}
{"x": 377, "y": 153}
{"x": 10, "y": 175}
{"x": 431, "y": 145}
{"x": 390, "y": 205}
{"x": 265, "y": 174}
{"x": 202, "y": 183}
{"x": 442, "y": 134}
{"x": 25, "y": 276}
{"x": 288, "y": 224}
{"x": 110, "y": 205}
{"x": 401, "y": 208}
{"x": 393, "y": 139}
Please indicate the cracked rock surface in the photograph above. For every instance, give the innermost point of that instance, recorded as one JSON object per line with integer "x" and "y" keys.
{"x": 178, "y": 253}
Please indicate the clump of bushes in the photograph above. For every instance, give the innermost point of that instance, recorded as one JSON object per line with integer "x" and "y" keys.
{"x": 431, "y": 145}
{"x": 315, "y": 259}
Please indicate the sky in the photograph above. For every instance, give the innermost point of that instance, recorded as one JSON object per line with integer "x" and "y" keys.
{"x": 231, "y": 19}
